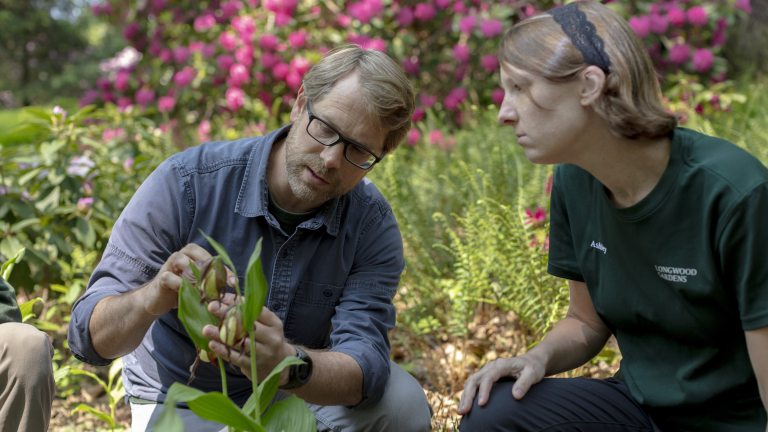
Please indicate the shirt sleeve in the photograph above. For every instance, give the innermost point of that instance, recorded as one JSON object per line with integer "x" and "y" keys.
{"x": 365, "y": 312}
{"x": 146, "y": 233}
{"x": 562, "y": 256}
{"x": 742, "y": 248}
{"x": 9, "y": 310}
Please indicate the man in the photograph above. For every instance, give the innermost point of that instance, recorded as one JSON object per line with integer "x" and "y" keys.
{"x": 26, "y": 376}
{"x": 332, "y": 253}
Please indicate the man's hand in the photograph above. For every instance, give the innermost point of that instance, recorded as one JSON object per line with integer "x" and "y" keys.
{"x": 527, "y": 369}
{"x": 162, "y": 293}
{"x": 270, "y": 343}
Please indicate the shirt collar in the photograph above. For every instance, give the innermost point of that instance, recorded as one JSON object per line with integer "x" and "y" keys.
{"x": 253, "y": 198}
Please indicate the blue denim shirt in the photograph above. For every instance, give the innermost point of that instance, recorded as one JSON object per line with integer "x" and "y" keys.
{"x": 332, "y": 281}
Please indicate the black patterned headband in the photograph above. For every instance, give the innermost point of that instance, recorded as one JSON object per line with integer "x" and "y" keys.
{"x": 583, "y": 35}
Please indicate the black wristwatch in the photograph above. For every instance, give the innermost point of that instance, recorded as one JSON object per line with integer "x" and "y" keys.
{"x": 299, "y": 374}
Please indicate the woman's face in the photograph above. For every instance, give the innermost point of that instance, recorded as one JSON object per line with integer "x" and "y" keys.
{"x": 548, "y": 118}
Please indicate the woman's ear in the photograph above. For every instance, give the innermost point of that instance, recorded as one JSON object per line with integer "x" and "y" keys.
{"x": 592, "y": 83}
{"x": 298, "y": 104}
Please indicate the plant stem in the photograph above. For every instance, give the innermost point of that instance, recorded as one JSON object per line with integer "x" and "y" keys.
{"x": 223, "y": 377}
{"x": 254, "y": 375}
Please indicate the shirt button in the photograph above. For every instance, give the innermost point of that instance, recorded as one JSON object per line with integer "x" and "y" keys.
{"x": 276, "y": 306}
{"x": 327, "y": 292}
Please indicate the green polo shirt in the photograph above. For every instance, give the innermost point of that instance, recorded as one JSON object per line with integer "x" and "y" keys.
{"x": 678, "y": 278}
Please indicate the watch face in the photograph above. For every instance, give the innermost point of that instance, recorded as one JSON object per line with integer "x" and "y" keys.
{"x": 304, "y": 370}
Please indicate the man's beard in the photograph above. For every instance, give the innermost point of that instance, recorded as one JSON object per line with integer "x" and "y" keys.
{"x": 296, "y": 163}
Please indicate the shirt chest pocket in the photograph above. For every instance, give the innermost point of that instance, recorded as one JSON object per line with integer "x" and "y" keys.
{"x": 308, "y": 321}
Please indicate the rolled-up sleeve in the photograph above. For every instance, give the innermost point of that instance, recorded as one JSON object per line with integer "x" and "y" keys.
{"x": 146, "y": 233}
{"x": 365, "y": 312}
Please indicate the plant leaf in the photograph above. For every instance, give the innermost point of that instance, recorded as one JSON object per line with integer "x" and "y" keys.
{"x": 93, "y": 411}
{"x": 268, "y": 387}
{"x": 221, "y": 251}
{"x": 255, "y": 289}
{"x": 28, "y": 308}
{"x": 194, "y": 315}
{"x": 212, "y": 406}
{"x": 290, "y": 415}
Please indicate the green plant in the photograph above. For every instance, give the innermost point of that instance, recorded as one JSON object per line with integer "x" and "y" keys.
{"x": 258, "y": 413}
{"x": 113, "y": 388}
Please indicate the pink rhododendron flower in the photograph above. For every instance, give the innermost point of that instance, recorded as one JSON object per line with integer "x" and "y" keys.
{"x": 703, "y": 59}
{"x": 298, "y": 39}
{"x": 293, "y": 80}
{"x": 103, "y": 84}
{"x": 676, "y": 16}
{"x": 225, "y": 61}
{"x": 497, "y": 96}
{"x": 467, "y": 24}
{"x": 658, "y": 24}
{"x": 231, "y": 8}
{"x": 131, "y": 31}
{"x": 185, "y": 76}
{"x": 528, "y": 10}
{"x": 122, "y": 79}
{"x": 204, "y": 131}
{"x": 679, "y": 53}
{"x": 112, "y": 133}
{"x": 84, "y": 204}
{"x": 343, "y": 20}
{"x": 99, "y": 9}
{"x": 268, "y": 42}
{"x": 424, "y": 12}
{"x": 436, "y": 137}
{"x": 244, "y": 55}
{"x": 442, "y": 4}
{"x": 124, "y": 104}
{"x": 144, "y": 97}
{"x": 238, "y": 75}
{"x": 411, "y": 65}
{"x": 269, "y": 60}
{"x": 89, "y": 97}
{"x": 697, "y": 16}
{"x": 204, "y": 22}
{"x": 720, "y": 35}
{"x": 404, "y": 16}
{"x": 180, "y": 54}
{"x": 455, "y": 98}
{"x": 535, "y": 217}
{"x": 418, "y": 115}
{"x": 166, "y": 56}
{"x": 156, "y": 6}
{"x": 641, "y": 25}
{"x": 489, "y": 62}
{"x": 491, "y": 27}
{"x": 365, "y": 10}
{"x": 245, "y": 26}
{"x": 300, "y": 64}
{"x": 413, "y": 137}
{"x": 280, "y": 70}
{"x": 166, "y": 103}
{"x": 235, "y": 98}
{"x": 744, "y": 5}
{"x": 460, "y": 8}
{"x": 282, "y": 19}
{"x": 461, "y": 52}
{"x": 427, "y": 100}
{"x": 228, "y": 41}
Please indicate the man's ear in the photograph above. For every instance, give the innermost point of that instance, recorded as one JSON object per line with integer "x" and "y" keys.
{"x": 592, "y": 83}
{"x": 298, "y": 104}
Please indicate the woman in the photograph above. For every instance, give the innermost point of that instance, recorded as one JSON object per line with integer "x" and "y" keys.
{"x": 661, "y": 232}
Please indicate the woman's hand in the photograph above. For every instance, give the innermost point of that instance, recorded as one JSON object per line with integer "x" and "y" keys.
{"x": 527, "y": 370}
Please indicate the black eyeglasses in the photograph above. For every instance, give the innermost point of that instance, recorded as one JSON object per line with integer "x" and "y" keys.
{"x": 354, "y": 152}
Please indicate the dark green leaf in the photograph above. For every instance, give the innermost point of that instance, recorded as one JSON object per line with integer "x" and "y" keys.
{"x": 268, "y": 387}
{"x": 209, "y": 406}
{"x": 194, "y": 315}
{"x": 255, "y": 289}
{"x": 290, "y": 415}
{"x": 220, "y": 251}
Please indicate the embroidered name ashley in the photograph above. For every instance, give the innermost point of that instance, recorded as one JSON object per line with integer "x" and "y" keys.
{"x": 675, "y": 274}
{"x": 599, "y": 246}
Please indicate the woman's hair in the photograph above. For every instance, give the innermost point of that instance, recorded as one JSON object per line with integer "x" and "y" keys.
{"x": 631, "y": 101}
{"x": 385, "y": 88}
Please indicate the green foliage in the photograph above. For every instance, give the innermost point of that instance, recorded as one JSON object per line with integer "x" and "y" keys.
{"x": 113, "y": 388}
{"x": 469, "y": 241}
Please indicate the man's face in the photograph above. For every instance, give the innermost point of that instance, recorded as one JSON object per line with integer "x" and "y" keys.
{"x": 317, "y": 173}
